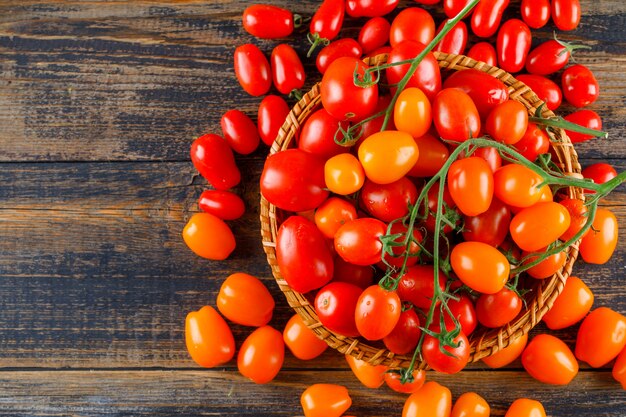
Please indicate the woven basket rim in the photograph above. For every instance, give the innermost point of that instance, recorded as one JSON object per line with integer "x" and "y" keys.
{"x": 484, "y": 342}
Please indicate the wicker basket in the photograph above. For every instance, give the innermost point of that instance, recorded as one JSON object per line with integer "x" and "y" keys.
{"x": 484, "y": 342}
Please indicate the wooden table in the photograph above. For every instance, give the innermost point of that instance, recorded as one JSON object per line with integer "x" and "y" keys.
{"x": 99, "y": 103}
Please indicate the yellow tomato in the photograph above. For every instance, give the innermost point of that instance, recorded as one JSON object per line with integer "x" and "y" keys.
{"x": 343, "y": 174}
{"x": 412, "y": 112}
{"x": 388, "y": 156}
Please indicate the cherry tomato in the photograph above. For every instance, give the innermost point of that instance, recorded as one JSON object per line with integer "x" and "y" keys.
{"x": 370, "y": 8}
{"x": 287, "y": 70}
{"x": 491, "y": 155}
{"x": 358, "y": 241}
{"x": 268, "y": 22}
{"x": 377, "y": 312}
{"x": 325, "y": 400}
{"x": 301, "y": 340}
{"x": 523, "y": 407}
{"x": 486, "y": 91}
{"x": 453, "y": 7}
{"x": 332, "y": 214}
{"x": 490, "y": 227}
{"x": 328, "y": 19}
{"x": 412, "y": 24}
{"x": 240, "y": 132}
{"x": 496, "y": 310}
{"x": 412, "y": 112}
{"x": 396, "y": 259}
{"x": 209, "y": 237}
{"x": 507, "y": 355}
{"x": 223, "y": 204}
{"x": 340, "y": 97}
{"x": 388, "y": 156}
{"x": 273, "y": 111}
{"x": 417, "y": 285}
{"x": 481, "y": 267}
{"x": 470, "y": 182}
{"x": 304, "y": 259}
{"x": 566, "y": 14}
{"x": 516, "y": 185}
{"x": 388, "y": 202}
{"x": 512, "y": 45}
{"x": 536, "y": 227}
{"x": 448, "y": 208}
{"x": 580, "y": 86}
{"x": 252, "y": 70}
{"x": 549, "y": 57}
{"x": 487, "y": 16}
{"x": 208, "y": 338}
{"x": 261, "y": 355}
{"x": 455, "y": 115}
{"x": 214, "y": 159}
{"x": 534, "y": 142}
{"x": 463, "y": 310}
{"x": 374, "y": 34}
{"x": 571, "y": 306}
{"x": 586, "y": 118}
{"x": 432, "y": 400}
{"x": 578, "y": 215}
{"x": 360, "y": 275}
{"x": 344, "y": 174}
{"x": 372, "y": 376}
{"x": 485, "y": 52}
{"x": 442, "y": 362}
{"x": 601, "y": 337}
{"x": 507, "y": 122}
{"x": 599, "y": 173}
{"x": 619, "y": 369}
{"x": 546, "y": 89}
{"x": 293, "y": 180}
{"x": 547, "y": 267}
{"x": 535, "y": 13}
{"x": 335, "y": 304}
{"x": 405, "y": 335}
{"x": 346, "y": 47}
{"x": 394, "y": 381}
{"x": 598, "y": 244}
{"x": 433, "y": 154}
{"x": 470, "y": 404}
{"x": 243, "y": 299}
{"x": 453, "y": 42}
{"x": 317, "y": 135}
{"x": 427, "y": 77}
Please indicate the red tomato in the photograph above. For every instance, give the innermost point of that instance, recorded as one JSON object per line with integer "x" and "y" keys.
{"x": 412, "y": 112}
{"x": 417, "y": 285}
{"x": 374, "y": 34}
{"x": 487, "y": 16}
{"x": 524, "y": 407}
{"x": 598, "y": 244}
{"x": 301, "y": 340}
{"x": 496, "y": 310}
{"x": 343, "y": 174}
{"x": 209, "y": 237}
{"x": 491, "y": 155}
{"x": 619, "y": 369}
{"x": 507, "y": 122}
{"x": 433, "y": 154}
{"x": 360, "y": 275}
{"x": 252, "y": 70}
{"x": 516, "y": 185}
{"x": 293, "y": 180}
{"x": 549, "y": 57}
{"x": 208, "y": 338}
{"x": 507, "y": 355}
{"x": 261, "y": 355}
{"x": 586, "y": 118}
{"x": 358, "y": 241}
{"x": 370, "y": 8}
{"x": 486, "y": 91}
{"x": 537, "y": 226}
{"x": 512, "y": 45}
{"x": 599, "y": 173}
{"x": 578, "y": 215}
{"x": 287, "y": 70}
{"x": 268, "y": 22}
{"x": 372, "y": 376}
{"x": 412, "y": 24}
{"x": 346, "y": 47}
{"x": 394, "y": 381}
{"x": 340, "y": 97}
{"x": 328, "y": 19}
{"x": 332, "y": 214}
{"x": 453, "y": 42}
{"x": 485, "y": 52}
{"x": 549, "y": 360}
{"x": 389, "y": 201}
{"x": 304, "y": 259}
{"x": 377, "y": 312}
{"x": 223, "y": 204}
{"x": 580, "y": 87}
{"x": 481, "y": 267}
{"x": 214, "y": 159}
{"x": 442, "y": 362}
{"x": 243, "y": 299}
{"x": 464, "y": 312}
{"x": 405, "y": 335}
{"x": 470, "y": 182}
{"x": 534, "y": 142}
{"x": 601, "y": 337}
{"x": 432, "y": 400}
{"x": 546, "y": 89}
{"x": 547, "y": 267}
{"x": 427, "y": 77}
{"x": 571, "y": 306}
{"x": 325, "y": 400}
{"x": 273, "y": 111}
{"x": 535, "y": 13}
{"x": 317, "y": 135}
{"x": 335, "y": 304}
{"x": 388, "y": 156}
{"x": 470, "y": 404}
{"x": 566, "y": 14}
{"x": 453, "y": 7}
{"x": 455, "y": 115}
{"x": 396, "y": 259}
{"x": 240, "y": 132}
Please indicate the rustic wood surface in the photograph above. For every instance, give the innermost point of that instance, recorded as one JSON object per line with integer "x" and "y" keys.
{"x": 99, "y": 102}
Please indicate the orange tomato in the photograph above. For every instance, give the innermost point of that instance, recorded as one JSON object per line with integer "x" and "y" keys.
{"x": 243, "y": 299}
{"x": 601, "y": 337}
{"x": 570, "y": 306}
{"x": 372, "y": 376}
{"x": 394, "y": 381}
{"x": 508, "y": 354}
{"x": 516, "y": 185}
{"x": 343, "y": 174}
{"x": 332, "y": 214}
{"x": 549, "y": 360}
{"x": 388, "y": 156}
{"x": 619, "y": 368}
{"x": 598, "y": 244}
{"x": 432, "y": 400}
{"x": 507, "y": 122}
{"x": 536, "y": 227}
{"x": 301, "y": 340}
{"x": 412, "y": 112}
{"x": 433, "y": 154}
{"x": 209, "y": 237}
{"x": 470, "y": 182}
{"x": 470, "y": 404}
{"x": 377, "y": 312}
{"x": 208, "y": 338}
{"x": 261, "y": 355}
{"x": 525, "y": 407}
{"x": 548, "y": 266}
{"x": 325, "y": 400}
{"x": 480, "y": 266}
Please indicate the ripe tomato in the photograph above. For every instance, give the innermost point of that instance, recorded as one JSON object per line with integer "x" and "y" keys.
{"x": 396, "y": 259}
{"x": 470, "y": 182}
{"x": 516, "y": 185}
{"x": 578, "y": 215}
{"x": 507, "y": 355}
{"x": 512, "y": 45}
{"x": 442, "y": 362}
{"x": 549, "y": 360}
{"x": 598, "y": 244}
{"x": 485, "y": 52}
{"x": 304, "y": 259}
{"x": 412, "y": 24}
{"x": 535, "y": 13}
{"x": 449, "y": 208}
{"x": 432, "y": 400}
{"x": 548, "y": 266}
{"x": 214, "y": 159}
{"x": 208, "y": 338}
{"x": 287, "y": 70}
{"x": 388, "y": 202}
{"x": 252, "y": 70}
{"x": 301, "y": 340}
{"x": 586, "y": 118}
{"x": 293, "y": 180}
{"x": 273, "y": 111}
{"x": 496, "y": 310}
{"x": 491, "y": 155}
{"x": 486, "y": 91}
{"x": 412, "y": 112}
{"x": 570, "y": 306}
{"x": 523, "y": 407}
{"x": 534, "y": 142}
{"x": 243, "y": 299}
{"x": 328, "y": 19}
{"x": 405, "y": 335}
{"x": 374, "y": 34}
{"x": 346, "y": 47}
{"x": 601, "y": 337}
{"x": 360, "y": 275}
{"x": 358, "y": 241}
{"x": 453, "y": 42}
{"x": 470, "y": 404}
{"x": 599, "y": 173}
{"x": 453, "y": 7}
{"x": 370, "y": 8}
{"x": 433, "y": 154}
{"x": 268, "y": 22}
{"x": 343, "y": 174}
{"x": 209, "y": 237}
{"x": 223, "y": 204}
{"x": 325, "y": 400}
{"x": 536, "y": 227}
{"x": 261, "y": 355}
{"x": 455, "y": 115}
{"x": 372, "y": 376}
{"x": 240, "y": 132}
{"x": 332, "y": 214}
{"x": 335, "y": 304}
{"x": 377, "y": 312}
{"x": 481, "y": 267}
{"x": 580, "y": 86}
{"x": 490, "y": 227}
{"x": 463, "y": 310}
{"x": 487, "y": 16}
{"x": 566, "y": 14}
{"x": 317, "y": 135}
{"x": 507, "y": 122}
{"x": 546, "y": 89}
{"x": 619, "y": 369}
{"x": 427, "y": 77}
{"x": 388, "y": 156}
{"x": 394, "y": 381}
{"x": 547, "y": 58}
{"x": 417, "y": 285}
{"x": 340, "y": 97}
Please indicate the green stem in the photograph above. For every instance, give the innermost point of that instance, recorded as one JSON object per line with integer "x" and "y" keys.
{"x": 559, "y": 122}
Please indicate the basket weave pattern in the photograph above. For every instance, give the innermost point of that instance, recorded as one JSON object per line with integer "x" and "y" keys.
{"x": 484, "y": 342}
